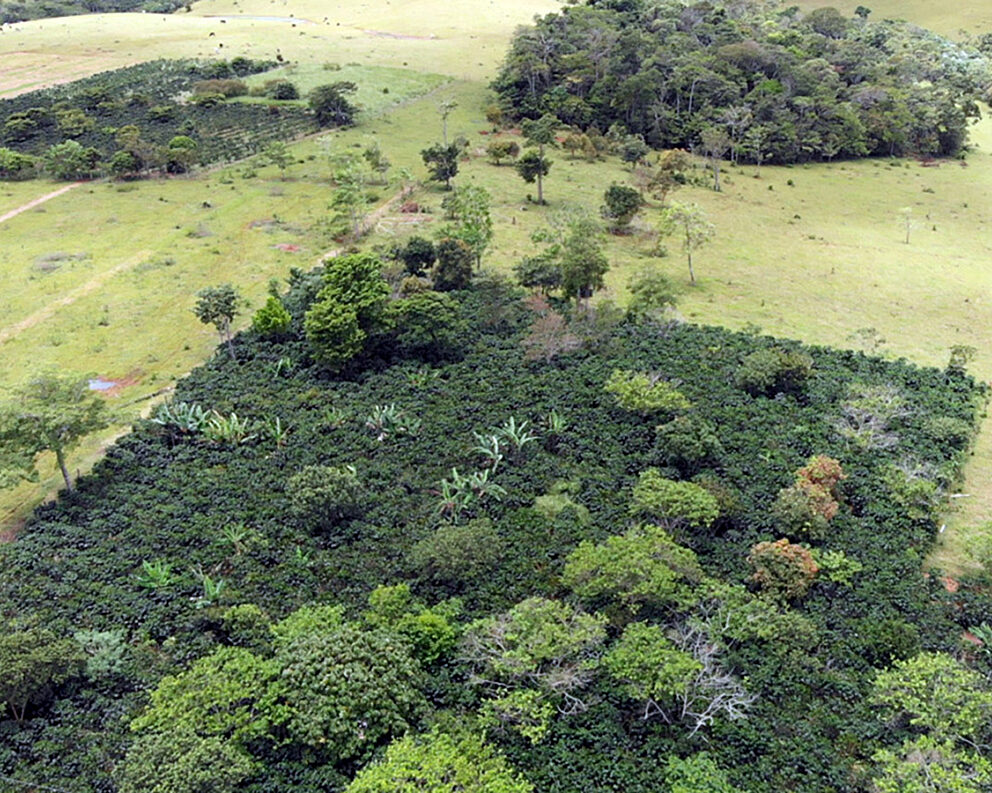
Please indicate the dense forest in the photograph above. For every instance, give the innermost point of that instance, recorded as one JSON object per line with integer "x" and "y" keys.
{"x": 22, "y": 10}
{"x": 752, "y": 80}
{"x": 393, "y": 537}
{"x": 164, "y": 115}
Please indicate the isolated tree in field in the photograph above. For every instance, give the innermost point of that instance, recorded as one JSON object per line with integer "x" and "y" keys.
{"x": 652, "y": 296}
{"x": 445, "y": 109}
{"x": 633, "y": 149}
{"x": 218, "y": 306}
{"x": 620, "y": 204}
{"x": 534, "y": 165}
{"x": 499, "y": 150}
{"x": 906, "y": 220}
{"x": 51, "y": 413}
{"x": 441, "y": 160}
{"x": 349, "y": 196}
{"x": 669, "y": 174}
{"x": 278, "y": 155}
{"x": 715, "y": 143}
{"x": 689, "y": 224}
{"x": 469, "y": 208}
{"x": 330, "y": 104}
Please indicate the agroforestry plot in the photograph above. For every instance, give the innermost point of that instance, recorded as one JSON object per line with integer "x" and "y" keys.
{"x": 608, "y": 569}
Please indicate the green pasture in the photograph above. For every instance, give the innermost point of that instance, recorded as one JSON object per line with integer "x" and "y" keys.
{"x": 379, "y": 87}
{"x": 951, "y": 19}
{"x": 464, "y": 40}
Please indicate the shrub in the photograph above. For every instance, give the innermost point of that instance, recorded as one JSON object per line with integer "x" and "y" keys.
{"x": 349, "y": 689}
{"x": 454, "y": 265}
{"x": 644, "y": 393}
{"x": 272, "y": 319}
{"x": 439, "y": 763}
{"x": 226, "y": 87}
{"x": 782, "y": 569}
{"x": 688, "y": 441}
{"x": 673, "y": 504}
{"x": 323, "y": 496}
{"x": 180, "y": 761}
{"x": 281, "y": 89}
{"x": 427, "y": 324}
{"x": 458, "y": 555}
{"x": 418, "y": 255}
{"x": 771, "y": 371}
{"x": 33, "y": 663}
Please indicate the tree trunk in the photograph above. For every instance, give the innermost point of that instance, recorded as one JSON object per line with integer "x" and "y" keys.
{"x": 716, "y": 174}
{"x": 60, "y": 456}
{"x": 230, "y": 346}
{"x": 540, "y": 185}
{"x": 688, "y": 256}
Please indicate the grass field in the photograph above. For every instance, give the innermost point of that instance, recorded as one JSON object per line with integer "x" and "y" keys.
{"x": 950, "y": 19}
{"x": 815, "y": 259}
{"x": 379, "y": 87}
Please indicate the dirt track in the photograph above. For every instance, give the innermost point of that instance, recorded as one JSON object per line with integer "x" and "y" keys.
{"x": 37, "y": 201}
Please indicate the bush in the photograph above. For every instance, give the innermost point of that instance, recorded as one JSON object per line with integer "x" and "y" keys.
{"x": 771, "y": 371}
{"x": 782, "y": 569}
{"x": 227, "y": 88}
{"x": 427, "y": 324}
{"x": 33, "y": 663}
{"x": 647, "y": 394}
{"x": 457, "y": 555}
{"x": 281, "y": 89}
{"x": 272, "y": 319}
{"x": 183, "y": 762}
{"x": 673, "y": 504}
{"x": 688, "y": 441}
{"x": 453, "y": 270}
{"x": 418, "y": 255}
{"x": 323, "y": 496}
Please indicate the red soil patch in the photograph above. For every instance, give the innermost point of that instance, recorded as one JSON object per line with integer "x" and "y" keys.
{"x": 288, "y": 247}
{"x": 950, "y": 584}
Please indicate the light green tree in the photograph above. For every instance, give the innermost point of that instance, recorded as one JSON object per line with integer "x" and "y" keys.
{"x": 688, "y": 223}
{"x": 218, "y": 306}
{"x": 644, "y": 393}
{"x": 180, "y": 761}
{"x": 643, "y": 567}
{"x": 539, "y": 133}
{"x": 439, "y": 763}
{"x": 33, "y": 661}
{"x": 51, "y": 413}
{"x": 469, "y": 207}
{"x": 672, "y": 504}
{"x": 649, "y": 667}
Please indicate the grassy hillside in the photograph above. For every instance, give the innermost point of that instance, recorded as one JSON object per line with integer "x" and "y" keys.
{"x": 951, "y": 19}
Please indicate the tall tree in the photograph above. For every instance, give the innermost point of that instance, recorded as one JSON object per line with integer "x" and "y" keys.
{"x": 51, "y": 413}
{"x": 330, "y": 104}
{"x": 715, "y": 143}
{"x": 469, "y": 208}
{"x": 218, "y": 306}
{"x": 689, "y": 223}
{"x": 540, "y": 133}
{"x": 441, "y": 160}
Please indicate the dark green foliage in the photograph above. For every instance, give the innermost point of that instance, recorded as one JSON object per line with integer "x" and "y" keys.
{"x": 281, "y": 89}
{"x": 620, "y": 204}
{"x": 775, "y": 85}
{"x": 457, "y": 555}
{"x": 170, "y": 496}
{"x": 541, "y": 273}
{"x": 33, "y": 662}
{"x": 21, "y": 10}
{"x": 689, "y": 442}
{"x": 330, "y": 104}
{"x": 453, "y": 270}
{"x": 349, "y": 689}
{"x": 90, "y": 112}
{"x": 442, "y": 162}
{"x": 772, "y": 371}
{"x": 322, "y": 496}
{"x": 426, "y": 325}
{"x": 418, "y": 255}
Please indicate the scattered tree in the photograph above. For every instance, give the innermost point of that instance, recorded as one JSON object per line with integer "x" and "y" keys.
{"x": 469, "y": 208}
{"x": 218, "y": 306}
{"x": 534, "y": 165}
{"x": 689, "y": 223}
{"x": 499, "y": 150}
{"x": 647, "y": 394}
{"x": 51, "y": 413}
{"x": 33, "y": 662}
{"x": 714, "y": 143}
{"x": 441, "y": 160}
{"x": 180, "y": 761}
{"x": 620, "y": 204}
{"x": 330, "y": 104}
{"x": 453, "y": 270}
{"x": 323, "y": 496}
